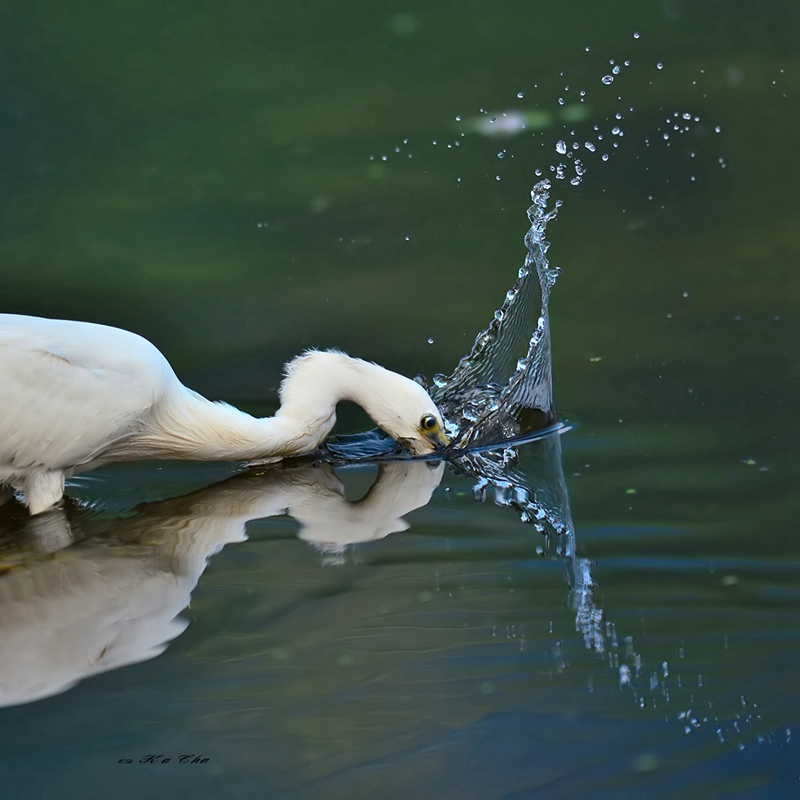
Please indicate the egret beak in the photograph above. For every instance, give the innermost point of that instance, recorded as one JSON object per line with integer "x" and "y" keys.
{"x": 437, "y": 439}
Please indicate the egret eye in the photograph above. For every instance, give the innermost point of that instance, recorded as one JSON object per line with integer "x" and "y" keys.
{"x": 428, "y": 422}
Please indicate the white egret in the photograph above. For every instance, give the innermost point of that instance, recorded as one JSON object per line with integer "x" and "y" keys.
{"x": 75, "y": 394}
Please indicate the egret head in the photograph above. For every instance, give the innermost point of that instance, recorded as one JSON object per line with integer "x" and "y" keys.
{"x": 404, "y": 410}
{"x": 317, "y": 380}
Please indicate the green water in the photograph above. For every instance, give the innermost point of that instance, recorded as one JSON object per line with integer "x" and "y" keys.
{"x": 211, "y": 176}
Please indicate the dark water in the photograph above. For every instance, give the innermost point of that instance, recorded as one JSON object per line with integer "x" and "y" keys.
{"x": 212, "y": 177}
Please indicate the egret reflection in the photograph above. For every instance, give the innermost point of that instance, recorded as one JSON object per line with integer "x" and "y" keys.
{"x": 82, "y": 594}
{"x": 114, "y": 597}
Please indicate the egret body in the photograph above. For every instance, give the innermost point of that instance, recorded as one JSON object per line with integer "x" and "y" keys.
{"x": 75, "y": 394}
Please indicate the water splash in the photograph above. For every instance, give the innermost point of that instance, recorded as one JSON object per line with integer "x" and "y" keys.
{"x": 495, "y": 394}
{"x": 528, "y": 477}
{"x": 499, "y": 394}
{"x": 503, "y": 387}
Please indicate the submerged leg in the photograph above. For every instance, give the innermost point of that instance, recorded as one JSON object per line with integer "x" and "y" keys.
{"x": 261, "y": 462}
{"x": 42, "y": 490}
{"x": 50, "y": 531}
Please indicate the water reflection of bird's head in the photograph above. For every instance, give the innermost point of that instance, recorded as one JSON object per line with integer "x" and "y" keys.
{"x": 114, "y": 597}
{"x": 313, "y": 495}
{"x": 330, "y": 522}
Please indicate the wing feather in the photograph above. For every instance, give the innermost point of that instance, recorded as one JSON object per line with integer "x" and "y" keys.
{"x": 68, "y": 390}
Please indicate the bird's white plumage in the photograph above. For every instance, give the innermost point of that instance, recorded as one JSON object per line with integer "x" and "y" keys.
{"x": 73, "y": 394}
{"x": 68, "y": 390}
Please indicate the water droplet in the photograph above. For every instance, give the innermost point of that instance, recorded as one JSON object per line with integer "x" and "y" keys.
{"x": 718, "y": 129}
{"x": 607, "y": 79}
{"x": 589, "y": 146}
{"x": 604, "y": 156}
{"x": 520, "y": 95}
{"x": 430, "y": 340}
{"x": 497, "y": 177}
{"x": 501, "y": 154}
{"x": 458, "y": 117}
{"x": 616, "y": 69}
{"x": 561, "y": 147}
{"x": 659, "y": 65}
{"x": 616, "y": 131}
{"x": 636, "y": 35}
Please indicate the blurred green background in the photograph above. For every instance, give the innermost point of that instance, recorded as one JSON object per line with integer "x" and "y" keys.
{"x": 201, "y": 173}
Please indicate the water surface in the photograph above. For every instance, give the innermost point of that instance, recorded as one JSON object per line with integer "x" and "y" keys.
{"x": 216, "y": 182}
